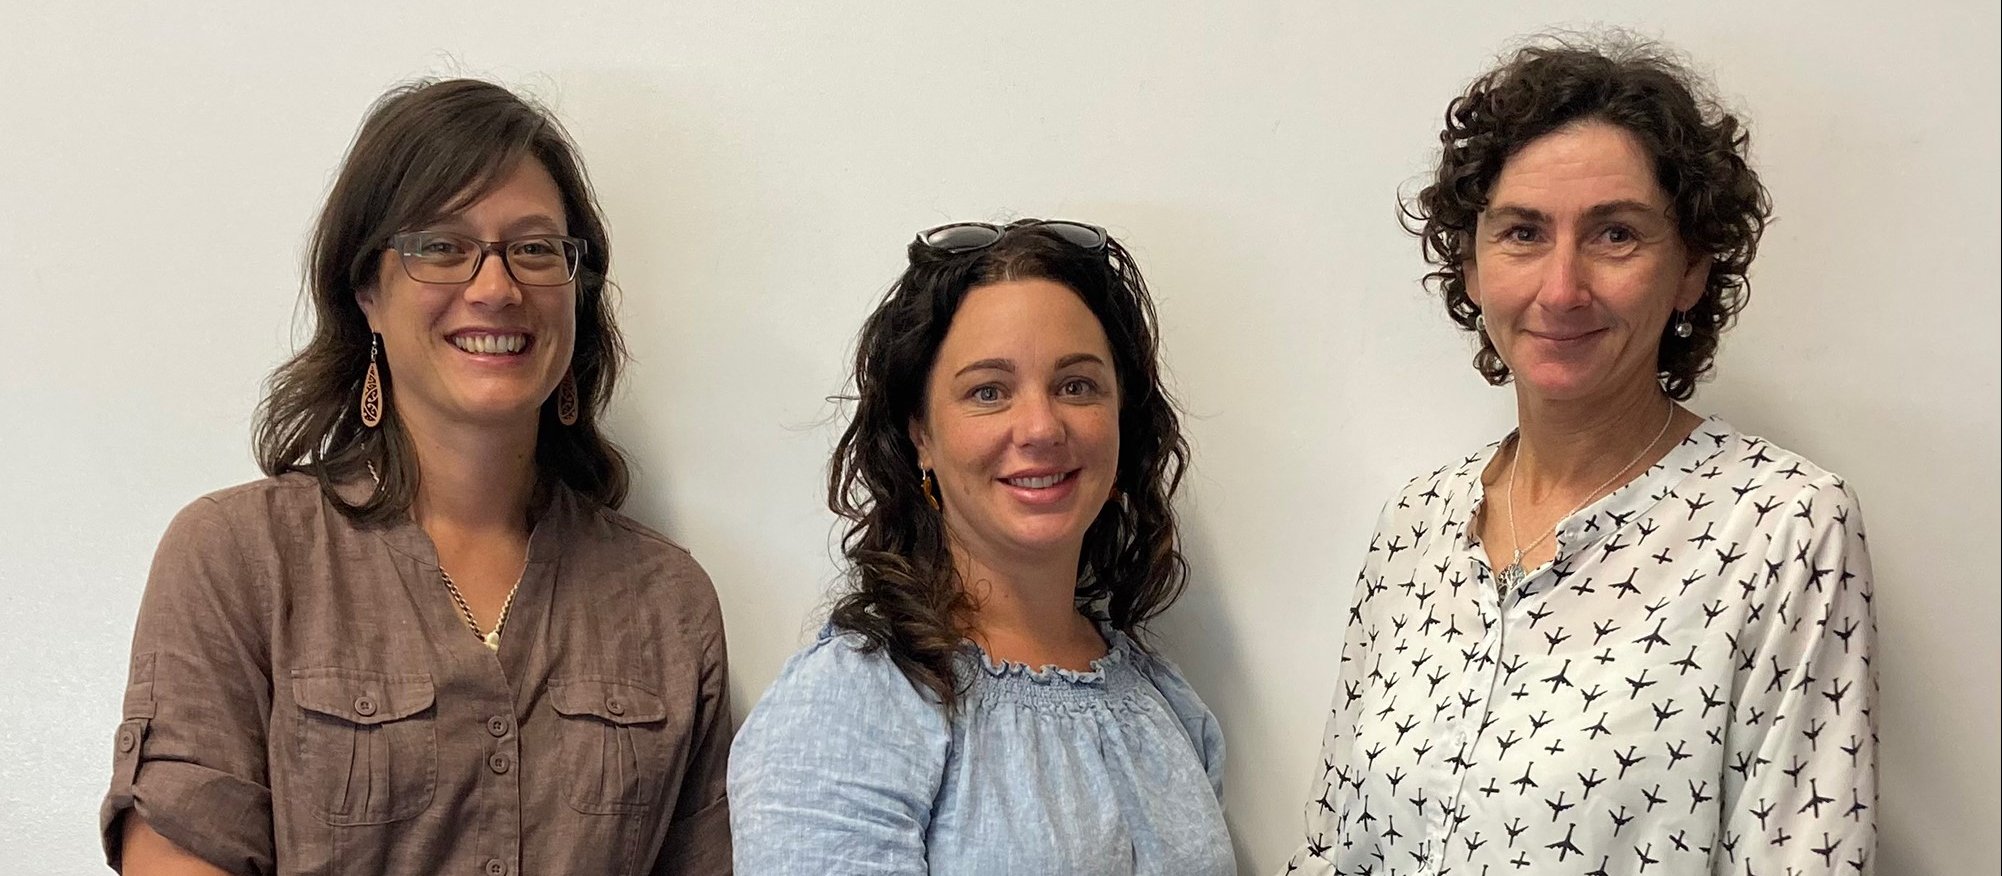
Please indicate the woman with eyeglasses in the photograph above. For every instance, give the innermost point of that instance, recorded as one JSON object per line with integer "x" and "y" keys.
{"x": 980, "y": 700}
{"x": 428, "y": 642}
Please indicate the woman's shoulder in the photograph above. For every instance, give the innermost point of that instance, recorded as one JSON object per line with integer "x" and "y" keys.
{"x": 840, "y": 678}
{"x": 1440, "y": 493}
{"x": 1167, "y": 678}
{"x": 276, "y": 502}
{"x": 1759, "y": 469}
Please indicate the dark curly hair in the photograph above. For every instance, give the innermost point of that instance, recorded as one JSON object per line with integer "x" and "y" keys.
{"x": 903, "y": 593}
{"x": 425, "y": 150}
{"x": 1699, "y": 152}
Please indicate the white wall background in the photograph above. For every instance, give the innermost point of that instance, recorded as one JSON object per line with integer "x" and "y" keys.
{"x": 763, "y": 164}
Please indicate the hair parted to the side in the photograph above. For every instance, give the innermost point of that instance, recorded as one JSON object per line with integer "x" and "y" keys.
{"x": 1700, "y": 159}
{"x": 426, "y": 150}
{"x": 902, "y": 592}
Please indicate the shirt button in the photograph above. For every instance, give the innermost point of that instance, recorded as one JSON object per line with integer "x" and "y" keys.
{"x": 615, "y": 706}
{"x": 499, "y": 763}
{"x": 364, "y": 706}
{"x": 127, "y": 740}
{"x": 497, "y": 725}
{"x": 496, "y": 868}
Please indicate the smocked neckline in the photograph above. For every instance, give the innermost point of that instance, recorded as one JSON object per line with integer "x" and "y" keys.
{"x": 1116, "y": 655}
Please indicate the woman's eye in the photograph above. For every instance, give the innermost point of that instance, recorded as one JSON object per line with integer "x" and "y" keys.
{"x": 1520, "y": 234}
{"x": 441, "y": 246}
{"x": 534, "y": 248}
{"x": 1077, "y": 386}
{"x": 1619, "y": 234}
{"x": 985, "y": 394}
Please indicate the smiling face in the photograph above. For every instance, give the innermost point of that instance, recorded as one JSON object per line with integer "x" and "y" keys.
{"x": 1021, "y": 423}
{"x": 486, "y": 352}
{"x": 1578, "y": 265}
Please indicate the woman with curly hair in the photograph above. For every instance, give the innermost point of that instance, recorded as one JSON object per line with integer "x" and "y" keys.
{"x": 979, "y": 701}
{"x": 1625, "y": 638}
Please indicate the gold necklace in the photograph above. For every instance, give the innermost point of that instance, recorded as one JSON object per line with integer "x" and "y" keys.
{"x": 492, "y": 638}
{"x": 1512, "y": 574}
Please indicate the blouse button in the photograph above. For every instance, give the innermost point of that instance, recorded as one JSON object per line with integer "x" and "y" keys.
{"x": 615, "y": 706}
{"x": 499, "y": 763}
{"x": 497, "y": 725}
{"x": 364, "y": 706}
{"x": 126, "y": 740}
{"x": 496, "y": 868}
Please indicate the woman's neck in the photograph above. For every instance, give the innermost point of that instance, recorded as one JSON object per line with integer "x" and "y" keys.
{"x": 1562, "y": 448}
{"x": 474, "y": 482}
{"x": 1026, "y": 611}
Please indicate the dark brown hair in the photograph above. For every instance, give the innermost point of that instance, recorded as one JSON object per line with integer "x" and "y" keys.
{"x": 425, "y": 151}
{"x": 1699, "y": 152}
{"x": 903, "y": 593}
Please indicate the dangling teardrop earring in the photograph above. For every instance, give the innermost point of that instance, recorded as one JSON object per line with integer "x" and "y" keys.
{"x": 930, "y": 489}
{"x": 1481, "y": 323}
{"x": 566, "y": 399}
{"x": 371, "y": 386}
{"x": 1682, "y": 327}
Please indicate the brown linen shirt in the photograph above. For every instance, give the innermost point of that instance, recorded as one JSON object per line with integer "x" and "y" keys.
{"x": 305, "y": 698}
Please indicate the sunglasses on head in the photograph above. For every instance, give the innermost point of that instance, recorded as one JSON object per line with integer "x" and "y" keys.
{"x": 962, "y": 237}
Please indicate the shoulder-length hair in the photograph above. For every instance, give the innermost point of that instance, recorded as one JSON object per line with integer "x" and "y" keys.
{"x": 903, "y": 593}
{"x": 425, "y": 151}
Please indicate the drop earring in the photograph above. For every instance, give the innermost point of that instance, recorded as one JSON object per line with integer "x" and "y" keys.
{"x": 371, "y": 386}
{"x": 930, "y": 489}
{"x": 566, "y": 399}
{"x": 1682, "y": 327}
{"x": 1481, "y": 323}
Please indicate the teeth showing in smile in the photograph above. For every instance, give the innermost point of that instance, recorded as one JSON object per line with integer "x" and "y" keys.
{"x": 1037, "y": 483}
{"x": 490, "y": 344}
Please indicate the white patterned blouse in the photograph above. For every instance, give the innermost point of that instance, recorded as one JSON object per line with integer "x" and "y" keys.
{"x": 1684, "y": 689}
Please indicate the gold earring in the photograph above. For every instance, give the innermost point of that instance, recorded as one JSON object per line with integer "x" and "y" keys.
{"x": 371, "y": 387}
{"x": 566, "y": 399}
{"x": 930, "y": 489}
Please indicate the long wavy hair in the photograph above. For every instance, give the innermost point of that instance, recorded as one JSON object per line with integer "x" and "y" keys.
{"x": 903, "y": 593}
{"x": 1699, "y": 152}
{"x": 427, "y": 150}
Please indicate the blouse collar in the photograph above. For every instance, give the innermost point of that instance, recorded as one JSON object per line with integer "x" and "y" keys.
{"x": 1694, "y": 456}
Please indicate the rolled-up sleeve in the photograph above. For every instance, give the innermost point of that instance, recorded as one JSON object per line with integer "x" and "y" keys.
{"x": 698, "y": 839}
{"x": 189, "y": 753}
{"x": 836, "y": 769}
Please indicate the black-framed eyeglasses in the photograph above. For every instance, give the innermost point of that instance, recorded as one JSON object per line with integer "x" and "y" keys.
{"x": 962, "y": 237}
{"x": 446, "y": 258}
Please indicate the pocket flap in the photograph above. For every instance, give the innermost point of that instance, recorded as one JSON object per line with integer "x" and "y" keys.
{"x": 360, "y": 696}
{"x": 618, "y": 702}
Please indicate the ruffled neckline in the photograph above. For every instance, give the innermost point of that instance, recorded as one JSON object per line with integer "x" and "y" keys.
{"x": 1117, "y": 654}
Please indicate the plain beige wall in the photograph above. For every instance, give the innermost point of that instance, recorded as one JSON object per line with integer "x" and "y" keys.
{"x": 763, "y": 164}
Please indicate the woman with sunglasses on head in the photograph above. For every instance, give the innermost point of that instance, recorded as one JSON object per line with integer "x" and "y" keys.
{"x": 979, "y": 702}
{"x": 1625, "y": 638}
{"x": 428, "y": 643}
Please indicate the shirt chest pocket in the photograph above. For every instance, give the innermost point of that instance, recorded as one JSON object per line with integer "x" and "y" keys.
{"x": 618, "y": 745}
{"x": 368, "y": 745}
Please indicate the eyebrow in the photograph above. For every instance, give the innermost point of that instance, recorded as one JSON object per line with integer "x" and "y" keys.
{"x": 1009, "y": 366}
{"x": 1596, "y": 211}
{"x": 1078, "y": 359}
{"x": 532, "y": 223}
{"x": 987, "y": 365}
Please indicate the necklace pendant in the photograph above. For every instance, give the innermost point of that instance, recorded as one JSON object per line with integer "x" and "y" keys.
{"x": 1510, "y": 576}
{"x": 492, "y": 640}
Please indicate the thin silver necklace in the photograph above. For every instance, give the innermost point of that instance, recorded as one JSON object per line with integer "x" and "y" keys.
{"x": 1512, "y": 574}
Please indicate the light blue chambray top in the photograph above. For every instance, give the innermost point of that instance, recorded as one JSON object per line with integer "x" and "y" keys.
{"x": 845, "y": 767}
